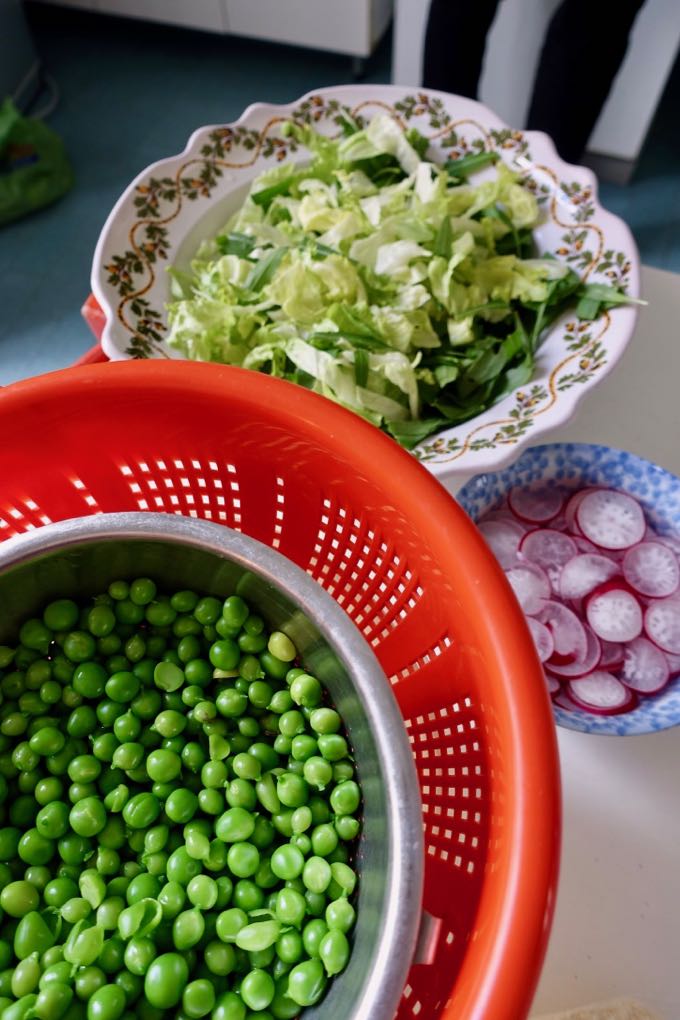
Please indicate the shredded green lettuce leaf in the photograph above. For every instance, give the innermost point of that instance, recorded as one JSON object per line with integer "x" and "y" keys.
{"x": 388, "y": 283}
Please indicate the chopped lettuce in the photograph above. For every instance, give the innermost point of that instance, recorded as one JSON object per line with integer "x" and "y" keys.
{"x": 392, "y": 285}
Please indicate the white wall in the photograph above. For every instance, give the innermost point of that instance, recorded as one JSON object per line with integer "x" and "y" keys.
{"x": 512, "y": 55}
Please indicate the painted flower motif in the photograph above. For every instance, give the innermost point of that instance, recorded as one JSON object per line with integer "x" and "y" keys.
{"x": 231, "y": 149}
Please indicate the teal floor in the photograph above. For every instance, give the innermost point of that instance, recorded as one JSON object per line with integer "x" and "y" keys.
{"x": 132, "y": 93}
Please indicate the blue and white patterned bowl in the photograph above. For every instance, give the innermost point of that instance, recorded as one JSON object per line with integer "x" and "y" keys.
{"x": 576, "y": 465}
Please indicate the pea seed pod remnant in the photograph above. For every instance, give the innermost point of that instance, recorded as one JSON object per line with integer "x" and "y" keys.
{"x": 179, "y": 811}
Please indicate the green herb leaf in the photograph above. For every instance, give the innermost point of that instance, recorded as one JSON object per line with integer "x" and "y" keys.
{"x": 263, "y": 271}
{"x": 235, "y": 244}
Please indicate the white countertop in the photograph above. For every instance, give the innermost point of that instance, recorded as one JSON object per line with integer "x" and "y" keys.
{"x": 616, "y": 931}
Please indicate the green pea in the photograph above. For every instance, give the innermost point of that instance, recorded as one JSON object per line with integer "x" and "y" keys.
{"x": 88, "y": 816}
{"x": 60, "y": 615}
{"x": 36, "y": 636}
{"x": 58, "y": 972}
{"x": 21, "y": 1009}
{"x": 163, "y": 766}
{"x": 79, "y": 646}
{"x": 165, "y": 980}
{"x": 48, "y": 740}
{"x": 26, "y": 976}
{"x": 76, "y": 909}
{"x": 33, "y": 848}
{"x": 58, "y": 891}
{"x": 224, "y": 654}
{"x": 109, "y": 911}
{"x": 219, "y": 957}
{"x": 181, "y": 867}
{"x": 171, "y": 898}
{"x": 122, "y": 687}
{"x": 307, "y": 982}
{"x": 53, "y": 1001}
{"x": 100, "y": 621}
{"x": 181, "y": 806}
{"x": 18, "y": 898}
{"x": 290, "y": 907}
{"x": 229, "y": 1006}
{"x": 292, "y": 790}
{"x": 202, "y": 892}
{"x": 32, "y": 935}
{"x": 139, "y": 955}
{"x": 141, "y": 811}
{"x": 235, "y": 825}
{"x": 107, "y": 1003}
{"x": 229, "y": 923}
{"x": 169, "y": 723}
{"x": 198, "y": 998}
{"x": 48, "y": 789}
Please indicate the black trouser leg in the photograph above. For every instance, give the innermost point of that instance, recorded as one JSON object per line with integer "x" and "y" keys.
{"x": 583, "y": 50}
{"x": 455, "y": 39}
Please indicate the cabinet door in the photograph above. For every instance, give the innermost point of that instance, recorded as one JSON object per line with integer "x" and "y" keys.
{"x": 205, "y": 14}
{"x": 343, "y": 26}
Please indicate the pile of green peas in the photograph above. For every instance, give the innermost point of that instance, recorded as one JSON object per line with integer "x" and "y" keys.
{"x": 178, "y": 815}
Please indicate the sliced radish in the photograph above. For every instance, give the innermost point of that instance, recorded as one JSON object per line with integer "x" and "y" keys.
{"x": 614, "y": 613}
{"x": 668, "y": 540}
{"x": 569, "y": 634}
{"x": 645, "y": 667}
{"x": 563, "y": 701}
{"x": 503, "y": 538}
{"x": 601, "y": 692}
{"x": 504, "y": 515}
{"x": 580, "y": 667}
{"x": 583, "y": 573}
{"x": 553, "y": 684}
{"x": 572, "y": 505}
{"x": 584, "y": 546}
{"x": 536, "y": 504}
{"x": 531, "y": 586}
{"x": 543, "y": 639}
{"x": 673, "y": 664}
{"x": 612, "y": 655}
{"x": 611, "y": 519}
{"x": 652, "y": 569}
{"x": 549, "y": 549}
{"x": 662, "y": 623}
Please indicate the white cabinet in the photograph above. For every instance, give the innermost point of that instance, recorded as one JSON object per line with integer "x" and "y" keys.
{"x": 343, "y": 26}
{"x": 353, "y": 27}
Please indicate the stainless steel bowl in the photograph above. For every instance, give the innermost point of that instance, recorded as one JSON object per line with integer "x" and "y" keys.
{"x": 80, "y": 557}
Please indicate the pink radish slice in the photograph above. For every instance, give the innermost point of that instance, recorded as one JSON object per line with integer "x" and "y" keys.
{"x": 502, "y": 515}
{"x": 583, "y": 573}
{"x": 668, "y": 540}
{"x": 503, "y": 538}
{"x": 652, "y": 569}
{"x": 553, "y": 684}
{"x": 531, "y": 586}
{"x": 611, "y": 519}
{"x": 584, "y": 546}
{"x": 581, "y": 667}
{"x": 662, "y": 623}
{"x": 614, "y": 613}
{"x": 645, "y": 667}
{"x": 543, "y": 639}
{"x": 563, "y": 701}
{"x": 536, "y": 504}
{"x": 549, "y": 549}
{"x": 673, "y": 664}
{"x": 612, "y": 655}
{"x": 602, "y": 693}
{"x": 569, "y": 634}
{"x": 572, "y": 506}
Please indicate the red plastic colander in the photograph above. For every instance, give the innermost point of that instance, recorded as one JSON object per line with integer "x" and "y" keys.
{"x": 362, "y": 517}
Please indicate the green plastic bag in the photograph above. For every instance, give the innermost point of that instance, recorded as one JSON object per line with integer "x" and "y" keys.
{"x": 34, "y": 168}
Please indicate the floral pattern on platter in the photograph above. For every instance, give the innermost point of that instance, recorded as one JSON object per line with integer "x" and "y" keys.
{"x": 574, "y": 465}
{"x": 161, "y": 206}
